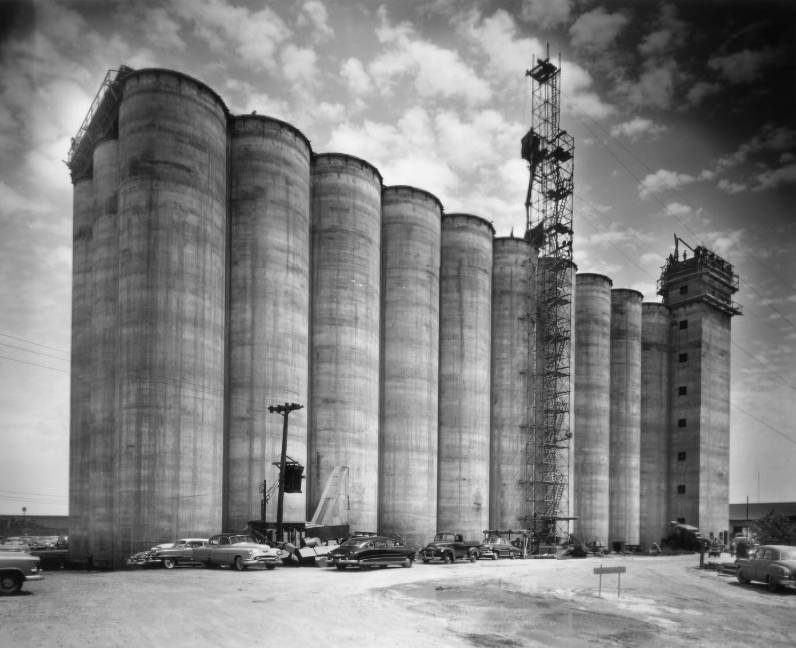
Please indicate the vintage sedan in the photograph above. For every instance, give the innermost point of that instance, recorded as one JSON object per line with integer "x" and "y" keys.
{"x": 495, "y": 546}
{"x": 371, "y": 551}
{"x": 180, "y": 553}
{"x": 774, "y": 565}
{"x": 16, "y": 567}
{"x": 147, "y": 558}
{"x": 237, "y": 550}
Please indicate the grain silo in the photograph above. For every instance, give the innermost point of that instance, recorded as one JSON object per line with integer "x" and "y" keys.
{"x": 655, "y": 404}
{"x": 513, "y": 352}
{"x": 625, "y": 437}
{"x": 104, "y": 343}
{"x": 411, "y": 231}
{"x": 83, "y": 216}
{"x": 172, "y": 246}
{"x": 592, "y": 411}
{"x": 464, "y": 376}
{"x": 344, "y": 332}
{"x": 268, "y": 309}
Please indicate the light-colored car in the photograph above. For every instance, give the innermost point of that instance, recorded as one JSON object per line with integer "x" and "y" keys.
{"x": 180, "y": 553}
{"x": 774, "y": 565}
{"x": 147, "y": 558}
{"x": 16, "y": 567}
{"x": 236, "y": 550}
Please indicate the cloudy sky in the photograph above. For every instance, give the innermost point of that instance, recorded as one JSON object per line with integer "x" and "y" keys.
{"x": 682, "y": 113}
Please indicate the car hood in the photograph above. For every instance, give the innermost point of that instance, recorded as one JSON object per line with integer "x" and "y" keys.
{"x": 790, "y": 564}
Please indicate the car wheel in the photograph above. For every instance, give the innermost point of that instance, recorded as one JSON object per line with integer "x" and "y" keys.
{"x": 408, "y": 562}
{"x": 169, "y": 563}
{"x": 473, "y": 557}
{"x": 270, "y": 566}
{"x": 341, "y": 567}
{"x": 448, "y": 559}
{"x": 238, "y": 563}
{"x": 425, "y": 561}
{"x": 741, "y": 578}
{"x": 10, "y": 584}
{"x": 773, "y": 586}
{"x": 494, "y": 556}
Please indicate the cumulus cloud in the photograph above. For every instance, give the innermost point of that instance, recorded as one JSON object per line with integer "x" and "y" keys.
{"x": 637, "y": 127}
{"x": 313, "y": 14}
{"x": 356, "y": 77}
{"x": 774, "y": 178}
{"x": 655, "y": 86}
{"x": 436, "y": 71}
{"x": 698, "y": 92}
{"x": 661, "y": 180}
{"x": 742, "y": 67}
{"x": 161, "y": 30}
{"x": 578, "y": 96}
{"x": 596, "y": 29}
{"x": 254, "y": 36}
{"x": 727, "y": 186}
{"x": 299, "y": 63}
{"x": 670, "y": 33}
{"x": 546, "y": 13}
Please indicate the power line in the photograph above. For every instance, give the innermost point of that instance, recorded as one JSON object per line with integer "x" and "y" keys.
{"x": 44, "y": 346}
{"x": 34, "y": 364}
{"x": 41, "y": 353}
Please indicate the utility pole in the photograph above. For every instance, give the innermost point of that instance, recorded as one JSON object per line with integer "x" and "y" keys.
{"x": 284, "y": 410}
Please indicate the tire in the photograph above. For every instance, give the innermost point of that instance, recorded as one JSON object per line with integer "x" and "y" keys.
{"x": 270, "y": 566}
{"x": 494, "y": 556}
{"x": 341, "y": 567}
{"x": 425, "y": 561}
{"x": 773, "y": 586}
{"x": 448, "y": 559}
{"x": 408, "y": 562}
{"x": 741, "y": 578}
{"x": 10, "y": 584}
{"x": 169, "y": 563}
{"x": 473, "y": 557}
{"x": 238, "y": 564}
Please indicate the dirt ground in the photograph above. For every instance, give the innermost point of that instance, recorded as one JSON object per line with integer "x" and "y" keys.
{"x": 664, "y": 602}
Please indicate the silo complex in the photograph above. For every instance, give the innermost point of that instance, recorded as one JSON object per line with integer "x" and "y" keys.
{"x": 83, "y": 216}
{"x": 221, "y": 267}
{"x": 410, "y": 234}
{"x": 268, "y": 306}
{"x": 344, "y": 331}
{"x": 655, "y": 404}
{"x": 102, "y": 450}
{"x": 592, "y": 412}
{"x": 172, "y": 248}
{"x": 464, "y": 374}
{"x": 625, "y": 421}
{"x": 513, "y": 349}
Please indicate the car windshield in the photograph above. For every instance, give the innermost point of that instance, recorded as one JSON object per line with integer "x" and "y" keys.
{"x": 356, "y": 542}
{"x": 236, "y": 539}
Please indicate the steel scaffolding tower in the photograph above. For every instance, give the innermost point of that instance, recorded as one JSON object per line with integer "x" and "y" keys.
{"x": 549, "y": 152}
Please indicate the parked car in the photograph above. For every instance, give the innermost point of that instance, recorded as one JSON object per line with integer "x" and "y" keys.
{"x": 237, "y": 550}
{"x": 147, "y": 558}
{"x": 495, "y": 546}
{"x": 450, "y": 547}
{"x": 16, "y": 567}
{"x": 371, "y": 551}
{"x": 774, "y": 565}
{"x": 179, "y": 553}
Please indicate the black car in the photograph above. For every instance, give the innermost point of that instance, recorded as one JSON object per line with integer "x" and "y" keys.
{"x": 371, "y": 551}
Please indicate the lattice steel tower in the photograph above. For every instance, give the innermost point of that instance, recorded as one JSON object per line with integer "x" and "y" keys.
{"x": 549, "y": 152}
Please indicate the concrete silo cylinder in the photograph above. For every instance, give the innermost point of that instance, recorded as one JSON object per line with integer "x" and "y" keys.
{"x": 83, "y": 217}
{"x": 411, "y": 230}
{"x": 344, "y": 333}
{"x": 172, "y": 245}
{"x": 513, "y": 349}
{"x": 268, "y": 312}
{"x": 464, "y": 374}
{"x": 625, "y": 415}
{"x": 655, "y": 399}
{"x": 592, "y": 411}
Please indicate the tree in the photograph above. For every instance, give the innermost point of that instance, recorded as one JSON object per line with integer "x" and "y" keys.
{"x": 774, "y": 528}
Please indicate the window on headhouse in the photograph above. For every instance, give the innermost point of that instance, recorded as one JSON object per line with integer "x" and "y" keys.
{"x": 681, "y": 456}
{"x": 683, "y": 324}
{"x": 681, "y": 422}
{"x": 680, "y": 489}
{"x": 683, "y": 290}
{"x": 682, "y": 390}
{"x": 683, "y": 357}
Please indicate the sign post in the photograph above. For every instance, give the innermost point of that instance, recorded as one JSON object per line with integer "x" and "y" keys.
{"x": 610, "y": 570}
